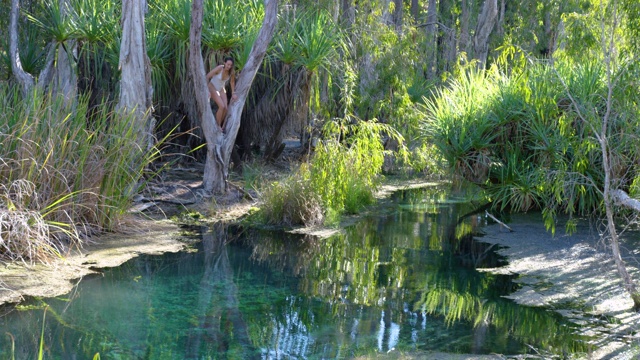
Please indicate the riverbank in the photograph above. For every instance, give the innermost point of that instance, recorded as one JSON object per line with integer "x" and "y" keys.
{"x": 571, "y": 274}
{"x": 153, "y": 228}
{"x": 574, "y": 275}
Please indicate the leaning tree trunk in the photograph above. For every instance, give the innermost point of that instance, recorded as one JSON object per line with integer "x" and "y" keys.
{"x": 627, "y": 281}
{"x": 24, "y": 78}
{"x": 135, "y": 66}
{"x": 608, "y": 193}
{"x": 219, "y": 145}
{"x": 486, "y": 23}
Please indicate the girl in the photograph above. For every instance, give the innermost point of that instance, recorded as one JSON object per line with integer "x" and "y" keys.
{"x": 216, "y": 81}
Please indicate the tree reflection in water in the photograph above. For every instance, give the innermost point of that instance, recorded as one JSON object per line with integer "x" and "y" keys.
{"x": 413, "y": 262}
{"x": 404, "y": 278}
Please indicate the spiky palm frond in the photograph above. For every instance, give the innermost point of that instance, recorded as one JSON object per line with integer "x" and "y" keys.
{"x": 58, "y": 23}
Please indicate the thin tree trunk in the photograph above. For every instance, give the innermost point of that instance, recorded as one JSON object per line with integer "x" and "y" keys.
{"x": 24, "y": 79}
{"x": 486, "y": 23}
{"x": 465, "y": 22}
{"x": 501, "y": 18}
{"x": 431, "y": 39}
{"x": 219, "y": 145}
{"x": 135, "y": 67}
{"x": 415, "y": 10}
{"x": 398, "y": 13}
{"x": 628, "y": 283}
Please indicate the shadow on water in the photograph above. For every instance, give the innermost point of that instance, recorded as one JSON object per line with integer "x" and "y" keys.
{"x": 402, "y": 280}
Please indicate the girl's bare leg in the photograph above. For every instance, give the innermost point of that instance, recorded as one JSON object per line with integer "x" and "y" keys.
{"x": 222, "y": 104}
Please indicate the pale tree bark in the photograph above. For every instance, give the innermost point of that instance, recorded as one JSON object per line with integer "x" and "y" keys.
{"x": 219, "y": 145}
{"x": 63, "y": 71}
{"x": 135, "y": 71}
{"x": 65, "y": 77}
{"x": 486, "y": 23}
{"x": 622, "y": 198}
{"x": 608, "y": 194}
{"x": 25, "y": 79}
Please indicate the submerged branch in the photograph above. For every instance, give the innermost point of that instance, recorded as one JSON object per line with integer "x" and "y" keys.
{"x": 498, "y": 221}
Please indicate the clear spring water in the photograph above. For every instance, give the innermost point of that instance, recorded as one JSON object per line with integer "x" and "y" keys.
{"x": 400, "y": 281}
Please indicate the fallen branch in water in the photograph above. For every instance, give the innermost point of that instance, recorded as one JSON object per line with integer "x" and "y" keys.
{"x": 498, "y": 221}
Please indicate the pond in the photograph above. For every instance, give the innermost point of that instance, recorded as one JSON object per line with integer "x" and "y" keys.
{"x": 403, "y": 280}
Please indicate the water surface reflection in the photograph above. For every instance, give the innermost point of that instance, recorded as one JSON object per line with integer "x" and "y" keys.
{"x": 404, "y": 279}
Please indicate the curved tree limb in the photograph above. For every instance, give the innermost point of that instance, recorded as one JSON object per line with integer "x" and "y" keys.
{"x": 25, "y": 79}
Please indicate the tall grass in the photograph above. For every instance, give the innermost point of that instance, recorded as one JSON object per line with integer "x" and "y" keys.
{"x": 66, "y": 174}
{"x": 518, "y": 134}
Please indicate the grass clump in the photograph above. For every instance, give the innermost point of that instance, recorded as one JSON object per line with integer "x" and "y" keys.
{"x": 342, "y": 176}
{"x": 66, "y": 172}
{"x": 293, "y": 201}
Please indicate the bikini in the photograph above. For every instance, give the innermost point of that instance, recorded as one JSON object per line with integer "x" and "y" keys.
{"x": 218, "y": 83}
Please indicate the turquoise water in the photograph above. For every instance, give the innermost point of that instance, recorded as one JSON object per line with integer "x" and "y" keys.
{"x": 400, "y": 281}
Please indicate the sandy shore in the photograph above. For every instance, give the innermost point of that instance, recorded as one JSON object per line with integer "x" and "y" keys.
{"x": 575, "y": 275}
{"x": 19, "y": 280}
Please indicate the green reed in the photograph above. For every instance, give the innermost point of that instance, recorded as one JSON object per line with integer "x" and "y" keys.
{"x": 77, "y": 173}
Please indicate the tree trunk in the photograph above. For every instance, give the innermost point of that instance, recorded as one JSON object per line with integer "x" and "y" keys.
{"x": 501, "y": 18}
{"x": 348, "y": 14}
{"x": 135, "y": 66}
{"x": 24, "y": 79}
{"x": 465, "y": 22}
{"x": 486, "y": 23}
{"x": 628, "y": 283}
{"x": 219, "y": 145}
{"x": 432, "y": 40}
{"x": 65, "y": 77}
{"x": 398, "y": 13}
{"x": 415, "y": 10}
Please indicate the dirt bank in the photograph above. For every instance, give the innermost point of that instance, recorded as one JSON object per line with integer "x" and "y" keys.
{"x": 575, "y": 275}
{"x": 19, "y": 280}
{"x": 572, "y": 274}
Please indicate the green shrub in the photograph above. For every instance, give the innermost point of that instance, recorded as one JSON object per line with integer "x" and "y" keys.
{"x": 527, "y": 135}
{"x": 342, "y": 176}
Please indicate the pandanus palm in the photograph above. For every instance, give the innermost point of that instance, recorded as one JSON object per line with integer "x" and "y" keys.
{"x": 304, "y": 45}
{"x": 223, "y": 32}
